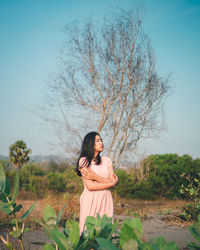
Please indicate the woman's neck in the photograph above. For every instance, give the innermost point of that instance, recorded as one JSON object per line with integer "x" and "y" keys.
{"x": 95, "y": 155}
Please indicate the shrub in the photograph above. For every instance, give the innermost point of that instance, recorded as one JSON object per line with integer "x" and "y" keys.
{"x": 125, "y": 185}
{"x": 143, "y": 190}
{"x": 56, "y": 182}
{"x": 190, "y": 212}
{"x": 37, "y": 185}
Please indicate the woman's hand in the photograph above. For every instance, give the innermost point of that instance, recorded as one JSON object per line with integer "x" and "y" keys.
{"x": 88, "y": 174}
{"x": 114, "y": 179}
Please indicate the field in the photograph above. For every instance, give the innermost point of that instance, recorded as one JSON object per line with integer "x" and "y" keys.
{"x": 153, "y": 192}
{"x": 159, "y": 217}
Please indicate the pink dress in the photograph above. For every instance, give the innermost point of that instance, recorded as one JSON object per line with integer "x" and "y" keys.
{"x": 96, "y": 202}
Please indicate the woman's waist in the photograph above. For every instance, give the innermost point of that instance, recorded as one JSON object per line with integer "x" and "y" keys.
{"x": 86, "y": 190}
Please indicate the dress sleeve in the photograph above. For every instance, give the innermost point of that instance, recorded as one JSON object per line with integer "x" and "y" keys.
{"x": 109, "y": 162}
{"x": 83, "y": 162}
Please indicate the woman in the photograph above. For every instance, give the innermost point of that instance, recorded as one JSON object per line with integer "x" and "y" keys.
{"x": 98, "y": 177}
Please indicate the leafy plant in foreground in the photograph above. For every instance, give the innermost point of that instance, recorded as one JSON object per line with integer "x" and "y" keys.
{"x": 8, "y": 206}
{"x": 50, "y": 223}
{"x": 99, "y": 233}
{"x": 195, "y": 231}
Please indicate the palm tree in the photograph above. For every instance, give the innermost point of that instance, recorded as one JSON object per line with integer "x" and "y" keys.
{"x": 19, "y": 154}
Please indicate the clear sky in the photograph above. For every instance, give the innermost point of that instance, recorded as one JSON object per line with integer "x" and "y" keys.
{"x": 31, "y": 34}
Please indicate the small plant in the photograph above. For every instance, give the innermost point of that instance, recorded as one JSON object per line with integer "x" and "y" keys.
{"x": 131, "y": 234}
{"x": 50, "y": 224}
{"x": 192, "y": 188}
{"x": 134, "y": 214}
{"x": 8, "y": 206}
{"x": 168, "y": 211}
{"x": 128, "y": 211}
{"x": 195, "y": 231}
{"x": 70, "y": 238}
{"x": 192, "y": 191}
{"x": 99, "y": 233}
{"x": 190, "y": 211}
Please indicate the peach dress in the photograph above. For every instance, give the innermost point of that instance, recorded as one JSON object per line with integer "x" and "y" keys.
{"x": 96, "y": 202}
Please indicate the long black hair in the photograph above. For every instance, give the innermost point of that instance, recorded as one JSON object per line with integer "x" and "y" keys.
{"x": 87, "y": 150}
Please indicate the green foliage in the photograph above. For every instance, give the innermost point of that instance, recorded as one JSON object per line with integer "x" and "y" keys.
{"x": 19, "y": 154}
{"x": 5, "y": 164}
{"x": 73, "y": 181}
{"x": 50, "y": 223}
{"x": 32, "y": 169}
{"x": 8, "y": 206}
{"x": 162, "y": 177}
{"x": 100, "y": 233}
{"x": 191, "y": 189}
{"x": 190, "y": 211}
{"x": 143, "y": 190}
{"x": 125, "y": 185}
{"x": 32, "y": 178}
{"x": 56, "y": 182}
{"x": 195, "y": 231}
{"x": 37, "y": 185}
{"x": 53, "y": 166}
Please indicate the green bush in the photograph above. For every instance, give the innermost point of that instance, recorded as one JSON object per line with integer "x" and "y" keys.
{"x": 165, "y": 172}
{"x": 125, "y": 185}
{"x": 37, "y": 185}
{"x": 162, "y": 177}
{"x": 53, "y": 166}
{"x": 56, "y": 182}
{"x": 143, "y": 190}
{"x": 32, "y": 169}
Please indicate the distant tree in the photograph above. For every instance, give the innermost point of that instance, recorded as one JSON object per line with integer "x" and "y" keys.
{"x": 19, "y": 154}
{"x": 108, "y": 83}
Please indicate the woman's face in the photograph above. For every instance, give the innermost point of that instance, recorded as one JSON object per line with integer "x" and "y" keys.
{"x": 98, "y": 145}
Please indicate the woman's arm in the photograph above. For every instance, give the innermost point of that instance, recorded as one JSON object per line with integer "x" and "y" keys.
{"x": 88, "y": 174}
{"x": 93, "y": 178}
{"x": 113, "y": 177}
{"x": 96, "y": 186}
{"x": 91, "y": 175}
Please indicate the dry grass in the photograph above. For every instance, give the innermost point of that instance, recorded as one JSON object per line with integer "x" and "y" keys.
{"x": 121, "y": 207}
{"x": 124, "y": 206}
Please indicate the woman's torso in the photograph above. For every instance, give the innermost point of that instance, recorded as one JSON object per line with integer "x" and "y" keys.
{"x": 102, "y": 169}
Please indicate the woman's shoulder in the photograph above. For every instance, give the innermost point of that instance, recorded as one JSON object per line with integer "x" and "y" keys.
{"x": 106, "y": 159}
{"x": 83, "y": 162}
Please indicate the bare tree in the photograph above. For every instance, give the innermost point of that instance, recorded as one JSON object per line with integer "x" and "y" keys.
{"x": 109, "y": 83}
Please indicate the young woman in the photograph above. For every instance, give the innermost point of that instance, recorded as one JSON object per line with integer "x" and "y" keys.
{"x": 98, "y": 177}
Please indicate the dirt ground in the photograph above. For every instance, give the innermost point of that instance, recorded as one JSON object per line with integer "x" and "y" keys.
{"x": 159, "y": 218}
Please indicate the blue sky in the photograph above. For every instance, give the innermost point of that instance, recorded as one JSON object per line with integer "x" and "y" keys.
{"x": 31, "y": 34}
